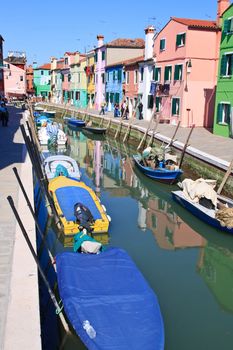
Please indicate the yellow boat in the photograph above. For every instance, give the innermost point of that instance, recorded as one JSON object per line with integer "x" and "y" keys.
{"x": 66, "y": 193}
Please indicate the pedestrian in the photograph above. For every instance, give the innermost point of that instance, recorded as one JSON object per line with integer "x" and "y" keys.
{"x": 116, "y": 110}
{"x": 4, "y": 115}
{"x": 140, "y": 108}
{"x": 102, "y": 110}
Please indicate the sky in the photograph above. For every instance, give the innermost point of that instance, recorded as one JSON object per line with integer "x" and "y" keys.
{"x": 50, "y": 28}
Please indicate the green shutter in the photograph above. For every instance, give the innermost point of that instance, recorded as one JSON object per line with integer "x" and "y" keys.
{"x": 227, "y": 25}
{"x": 173, "y": 106}
{"x": 119, "y": 75}
{"x": 107, "y": 96}
{"x": 162, "y": 42}
{"x": 150, "y": 101}
{"x": 178, "y": 40}
{"x": 219, "y": 113}
{"x": 166, "y": 73}
{"x": 117, "y": 97}
{"x": 154, "y": 73}
{"x": 184, "y": 38}
{"x": 176, "y": 72}
{"x": 223, "y": 65}
{"x": 157, "y": 102}
{"x": 228, "y": 114}
{"x": 111, "y": 97}
{"x": 231, "y": 25}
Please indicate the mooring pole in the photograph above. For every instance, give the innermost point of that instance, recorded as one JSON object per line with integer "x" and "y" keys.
{"x": 185, "y": 146}
{"x": 30, "y": 246}
{"x": 224, "y": 180}
{"x": 120, "y": 125}
{"x": 130, "y": 123}
{"x": 146, "y": 132}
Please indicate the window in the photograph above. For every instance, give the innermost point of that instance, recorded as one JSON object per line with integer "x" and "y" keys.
{"x": 142, "y": 73}
{"x": 175, "y": 106}
{"x": 117, "y": 97}
{"x": 180, "y": 39}
{"x": 96, "y": 57}
{"x": 135, "y": 77}
{"x": 156, "y": 74}
{"x": 62, "y": 77}
{"x": 66, "y": 60}
{"x": 162, "y": 44}
{"x": 150, "y": 101}
{"x": 77, "y": 95}
{"x": 223, "y": 113}
{"x": 127, "y": 78}
{"x": 228, "y": 26}
{"x": 21, "y": 77}
{"x": 168, "y": 73}
{"x": 158, "y": 103}
{"x": 178, "y": 72}
{"x": 124, "y": 76}
{"x": 103, "y": 55}
{"x": 111, "y": 97}
{"x": 69, "y": 77}
{"x": 41, "y": 72}
{"x": 107, "y": 97}
{"x": 107, "y": 78}
{"x": 49, "y": 72}
{"x": 103, "y": 78}
{"x": 119, "y": 74}
{"x": 226, "y": 64}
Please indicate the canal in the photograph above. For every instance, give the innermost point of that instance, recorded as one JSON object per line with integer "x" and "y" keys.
{"x": 188, "y": 264}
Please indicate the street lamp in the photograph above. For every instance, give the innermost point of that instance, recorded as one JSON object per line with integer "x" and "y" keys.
{"x": 188, "y": 71}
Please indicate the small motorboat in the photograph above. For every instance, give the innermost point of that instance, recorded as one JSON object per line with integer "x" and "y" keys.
{"x": 161, "y": 172}
{"x": 95, "y": 130}
{"x": 38, "y": 109}
{"x": 75, "y": 122}
{"x": 52, "y": 169}
{"x": 66, "y": 193}
{"x": 50, "y": 114}
{"x": 213, "y": 214}
{"x": 45, "y": 137}
{"x": 108, "y": 302}
{"x": 41, "y": 121}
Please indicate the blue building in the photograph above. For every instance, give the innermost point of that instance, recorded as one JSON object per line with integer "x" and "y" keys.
{"x": 113, "y": 83}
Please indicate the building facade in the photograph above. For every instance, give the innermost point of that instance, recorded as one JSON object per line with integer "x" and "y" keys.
{"x": 223, "y": 118}
{"x": 29, "y": 80}
{"x": 186, "y": 54}
{"x": 114, "y": 87}
{"x": 14, "y": 81}
{"x": 42, "y": 80}
{"x": 90, "y": 74}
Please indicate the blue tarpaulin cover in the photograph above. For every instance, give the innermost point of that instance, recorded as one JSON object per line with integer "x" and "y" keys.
{"x": 110, "y": 292}
{"x": 70, "y": 195}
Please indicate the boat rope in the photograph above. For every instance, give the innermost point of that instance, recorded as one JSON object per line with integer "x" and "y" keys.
{"x": 59, "y": 308}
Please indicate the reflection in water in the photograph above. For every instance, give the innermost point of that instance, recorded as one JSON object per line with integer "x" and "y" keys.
{"x": 155, "y": 231}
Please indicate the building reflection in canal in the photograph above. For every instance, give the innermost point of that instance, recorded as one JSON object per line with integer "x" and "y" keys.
{"x": 168, "y": 239}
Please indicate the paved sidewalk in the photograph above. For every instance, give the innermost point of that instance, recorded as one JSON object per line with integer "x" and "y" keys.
{"x": 13, "y": 153}
{"x": 216, "y": 150}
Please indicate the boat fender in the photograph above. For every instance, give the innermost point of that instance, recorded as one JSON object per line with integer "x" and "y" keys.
{"x": 109, "y": 218}
{"x": 104, "y": 208}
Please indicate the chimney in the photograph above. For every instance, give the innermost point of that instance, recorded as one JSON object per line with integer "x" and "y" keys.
{"x": 222, "y": 6}
{"x": 149, "y": 31}
{"x": 34, "y": 65}
{"x": 100, "y": 40}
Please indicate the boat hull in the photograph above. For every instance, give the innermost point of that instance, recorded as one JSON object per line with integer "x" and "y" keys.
{"x": 204, "y": 214}
{"x": 98, "y": 131}
{"x": 76, "y": 122}
{"x": 159, "y": 174}
{"x": 51, "y": 163}
{"x": 66, "y": 193}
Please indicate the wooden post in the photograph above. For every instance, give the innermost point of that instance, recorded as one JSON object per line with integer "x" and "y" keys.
{"x": 224, "y": 180}
{"x": 146, "y": 132}
{"x": 130, "y": 123}
{"x": 153, "y": 131}
{"x": 173, "y": 137}
{"x": 120, "y": 125}
{"x": 186, "y": 145}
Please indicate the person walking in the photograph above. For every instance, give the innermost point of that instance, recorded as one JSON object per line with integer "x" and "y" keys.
{"x": 140, "y": 108}
{"x": 4, "y": 115}
{"x": 102, "y": 110}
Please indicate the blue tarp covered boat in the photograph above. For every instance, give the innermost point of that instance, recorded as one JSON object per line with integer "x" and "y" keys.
{"x": 75, "y": 122}
{"x": 108, "y": 292}
{"x": 161, "y": 174}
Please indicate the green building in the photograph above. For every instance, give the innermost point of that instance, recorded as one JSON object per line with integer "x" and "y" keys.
{"x": 42, "y": 79}
{"x": 223, "y": 123}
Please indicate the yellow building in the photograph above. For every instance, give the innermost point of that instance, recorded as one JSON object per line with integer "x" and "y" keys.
{"x": 90, "y": 69}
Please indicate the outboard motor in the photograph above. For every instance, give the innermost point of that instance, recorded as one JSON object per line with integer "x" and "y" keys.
{"x": 83, "y": 216}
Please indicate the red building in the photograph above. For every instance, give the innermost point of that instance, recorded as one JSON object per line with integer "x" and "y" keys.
{"x": 2, "y": 93}
{"x": 29, "y": 80}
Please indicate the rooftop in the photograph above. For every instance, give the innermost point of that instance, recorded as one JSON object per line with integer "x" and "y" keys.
{"x": 44, "y": 66}
{"x": 128, "y": 43}
{"x": 196, "y": 23}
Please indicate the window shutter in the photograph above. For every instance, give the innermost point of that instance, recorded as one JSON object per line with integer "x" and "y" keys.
{"x": 231, "y": 25}
{"x": 219, "y": 113}
{"x": 228, "y": 112}
{"x": 157, "y": 104}
{"x": 223, "y": 65}
{"x": 180, "y": 72}
{"x": 173, "y": 106}
{"x": 107, "y": 96}
{"x": 227, "y": 24}
{"x": 162, "y": 42}
{"x": 178, "y": 41}
{"x": 154, "y": 74}
{"x": 166, "y": 74}
{"x": 117, "y": 97}
{"x": 176, "y": 73}
{"x": 184, "y": 38}
{"x": 119, "y": 75}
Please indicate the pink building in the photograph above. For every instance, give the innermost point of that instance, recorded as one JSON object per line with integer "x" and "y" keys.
{"x": 186, "y": 53}
{"x": 14, "y": 80}
{"x": 66, "y": 76}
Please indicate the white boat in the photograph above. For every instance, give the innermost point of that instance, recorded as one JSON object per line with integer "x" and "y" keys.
{"x": 51, "y": 163}
{"x": 44, "y": 137}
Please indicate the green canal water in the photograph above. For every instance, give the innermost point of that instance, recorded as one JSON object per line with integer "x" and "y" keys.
{"x": 188, "y": 264}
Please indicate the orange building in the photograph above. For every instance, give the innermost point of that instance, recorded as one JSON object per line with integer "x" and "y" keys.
{"x": 29, "y": 80}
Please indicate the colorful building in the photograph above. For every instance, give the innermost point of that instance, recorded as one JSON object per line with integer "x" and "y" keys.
{"x": 114, "y": 87}
{"x": 56, "y": 79}
{"x": 110, "y": 54}
{"x": 2, "y": 90}
{"x": 29, "y": 80}
{"x": 90, "y": 73}
{"x": 14, "y": 81}
{"x": 131, "y": 83}
{"x": 186, "y": 53}
{"x": 42, "y": 79}
{"x": 223, "y": 119}
{"x": 66, "y": 76}
{"x": 79, "y": 81}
